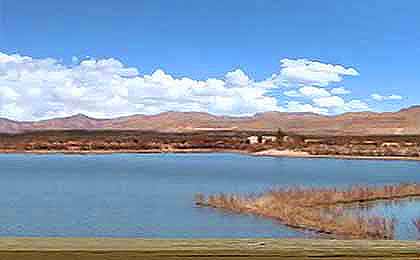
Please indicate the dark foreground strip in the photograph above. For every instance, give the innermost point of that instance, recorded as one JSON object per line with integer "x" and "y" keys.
{"x": 128, "y": 249}
{"x": 128, "y": 255}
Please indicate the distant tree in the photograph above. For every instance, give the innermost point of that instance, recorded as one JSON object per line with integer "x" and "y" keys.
{"x": 281, "y": 133}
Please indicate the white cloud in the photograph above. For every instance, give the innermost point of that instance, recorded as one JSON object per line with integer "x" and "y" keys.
{"x": 332, "y": 101}
{"x": 306, "y": 72}
{"x": 294, "y": 106}
{"x": 8, "y": 94}
{"x": 33, "y": 88}
{"x": 308, "y": 92}
{"x": 379, "y": 97}
{"x": 237, "y": 78}
{"x": 339, "y": 105}
{"x": 340, "y": 91}
{"x": 292, "y": 93}
{"x": 43, "y": 88}
{"x": 356, "y": 105}
{"x": 314, "y": 92}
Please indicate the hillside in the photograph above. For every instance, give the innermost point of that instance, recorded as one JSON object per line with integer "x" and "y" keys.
{"x": 405, "y": 121}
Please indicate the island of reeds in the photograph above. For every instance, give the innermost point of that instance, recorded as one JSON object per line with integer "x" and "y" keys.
{"x": 321, "y": 210}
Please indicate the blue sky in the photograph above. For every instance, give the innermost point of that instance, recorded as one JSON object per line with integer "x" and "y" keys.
{"x": 202, "y": 40}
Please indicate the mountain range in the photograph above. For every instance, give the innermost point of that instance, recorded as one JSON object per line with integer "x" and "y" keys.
{"x": 403, "y": 122}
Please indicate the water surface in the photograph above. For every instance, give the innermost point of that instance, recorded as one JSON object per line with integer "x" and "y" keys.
{"x": 151, "y": 195}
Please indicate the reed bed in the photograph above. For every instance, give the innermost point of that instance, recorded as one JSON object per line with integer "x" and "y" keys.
{"x": 318, "y": 210}
{"x": 332, "y": 196}
{"x": 416, "y": 223}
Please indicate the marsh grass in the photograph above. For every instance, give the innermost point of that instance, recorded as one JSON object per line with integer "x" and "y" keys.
{"x": 320, "y": 210}
{"x": 416, "y": 223}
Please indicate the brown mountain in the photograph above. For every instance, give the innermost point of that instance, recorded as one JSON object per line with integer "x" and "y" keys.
{"x": 405, "y": 121}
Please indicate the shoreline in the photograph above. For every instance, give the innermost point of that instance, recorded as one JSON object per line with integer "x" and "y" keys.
{"x": 265, "y": 153}
{"x": 294, "y": 154}
{"x": 98, "y": 152}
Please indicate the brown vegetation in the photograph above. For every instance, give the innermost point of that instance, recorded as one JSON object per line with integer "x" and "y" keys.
{"x": 135, "y": 141}
{"x": 416, "y": 223}
{"x": 150, "y": 141}
{"x": 405, "y": 146}
{"x": 317, "y": 209}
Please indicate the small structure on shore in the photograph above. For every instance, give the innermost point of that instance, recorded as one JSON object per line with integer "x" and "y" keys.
{"x": 268, "y": 139}
{"x": 391, "y": 145}
{"x": 314, "y": 141}
{"x": 253, "y": 139}
{"x": 261, "y": 139}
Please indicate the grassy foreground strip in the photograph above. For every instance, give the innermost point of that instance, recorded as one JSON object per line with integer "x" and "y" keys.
{"x": 114, "y": 248}
{"x": 318, "y": 210}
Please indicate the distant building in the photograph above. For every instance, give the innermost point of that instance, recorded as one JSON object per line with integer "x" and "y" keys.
{"x": 391, "y": 144}
{"x": 268, "y": 139}
{"x": 314, "y": 141}
{"x": 253, "y": 139}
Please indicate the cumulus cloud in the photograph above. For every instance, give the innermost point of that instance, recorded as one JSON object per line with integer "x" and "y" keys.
{"x": 356, "y": 105}
{"x": 340, "y": 91}
{"x": 36, "y": 88}
{"x": 306, "y": 72}
{"x": 314, "y": 92}
{"x": 332, "y": 101}
{"x": 295, "y": 106}
{"x": 292, "y": 93}
{"x": 237, "y": 78}
{"x": 308, "y": 92}
{"x": 43, "y": 88}
{"x": 339, "y": 105}
{"x": 379, "y": 97}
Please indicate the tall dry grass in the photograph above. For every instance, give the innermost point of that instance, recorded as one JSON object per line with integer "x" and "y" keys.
{"x": 304, "y": 208}
{"x": 333, "y": 196}
{"x": 416, "y": 223}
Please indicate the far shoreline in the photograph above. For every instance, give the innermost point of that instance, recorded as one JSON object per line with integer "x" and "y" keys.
{"x": 264, "y": 153}
{"x": 295, "y": 154}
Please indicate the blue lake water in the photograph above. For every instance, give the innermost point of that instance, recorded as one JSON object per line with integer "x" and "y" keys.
{"x": 137, "y": 195}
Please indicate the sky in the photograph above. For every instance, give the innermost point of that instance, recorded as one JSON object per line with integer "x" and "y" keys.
{"x": 116, "y": 58}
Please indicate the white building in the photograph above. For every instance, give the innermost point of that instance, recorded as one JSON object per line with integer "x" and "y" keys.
{"x": 253, "y": 139}
{"x": 268, "y": 139}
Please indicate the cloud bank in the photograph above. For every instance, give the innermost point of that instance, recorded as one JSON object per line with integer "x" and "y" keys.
{"x": 32, "y": 88}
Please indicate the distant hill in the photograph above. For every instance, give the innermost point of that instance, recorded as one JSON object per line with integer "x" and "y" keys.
{"x": 405, "y": 121}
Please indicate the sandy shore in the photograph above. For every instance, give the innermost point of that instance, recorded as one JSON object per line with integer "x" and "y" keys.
{"x": 289, "y": 153}
{"x": 270, "y": 152}
{"x": 117, "y": 248}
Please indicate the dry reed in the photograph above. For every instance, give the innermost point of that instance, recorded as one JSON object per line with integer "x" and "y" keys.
{"x": 416, "y": 223}
{"x": 304, "y": 208}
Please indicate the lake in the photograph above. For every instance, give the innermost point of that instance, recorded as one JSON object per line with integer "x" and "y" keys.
{"x": 151, "y": 195}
